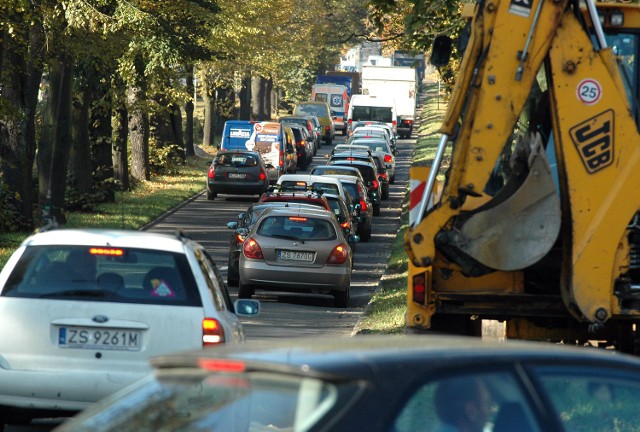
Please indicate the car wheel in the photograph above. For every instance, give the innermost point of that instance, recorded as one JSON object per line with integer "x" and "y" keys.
{"x": 232, "y": 277}
{"x": 341, "y": 298}
{"x": 392, "y": 180}
{"x": 385, "y": 194}
{"x": 211, "y": 196}
{"x": 376, "y": 209}
{"x": 244, "y": 291}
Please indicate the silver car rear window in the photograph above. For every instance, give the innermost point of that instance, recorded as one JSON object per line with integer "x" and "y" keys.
{"x": 297, "y": 227}
{"x": 100, "y": 273}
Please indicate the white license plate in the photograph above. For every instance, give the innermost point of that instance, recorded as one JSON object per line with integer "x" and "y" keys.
{"x": 104, "y": 339}
{"x": 237, "y": 175}
{"x": 295, "y": 255}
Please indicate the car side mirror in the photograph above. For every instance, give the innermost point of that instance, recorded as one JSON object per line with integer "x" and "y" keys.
{"x": 232, "y": 225}
{"x": 354, "y": 238}
{"x": 246, "y": 307}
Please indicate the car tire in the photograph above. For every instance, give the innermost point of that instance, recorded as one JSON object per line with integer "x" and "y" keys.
{"x": 244, "y": 291}
{"x": 385, "y": 194}
{"x": 392, "y": 180}
{"x": 211, "y": 196}
{"x": 341, "y": 298}
{"x": 232, "y": 278}
{"x": 376, "y": 209}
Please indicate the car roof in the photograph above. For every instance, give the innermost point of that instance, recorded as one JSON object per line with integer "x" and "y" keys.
{"x": 108, "y": 237}
{"x": 305, "y": 177}
{"x": 341, "y": 356}
{"x": 273, "y": 204}
{"x": 290, "y": 211}
{"x": 354, "y": 162}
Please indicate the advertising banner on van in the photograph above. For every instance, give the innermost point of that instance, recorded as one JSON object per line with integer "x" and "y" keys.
{"x": 266, "y": 139}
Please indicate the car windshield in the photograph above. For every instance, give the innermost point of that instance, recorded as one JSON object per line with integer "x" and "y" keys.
{"x": 236, "y": 160}
{"x": 296, "y": 227}
{"x": 99, "y": 273}
{"x": 251, "y": 401}
{"x": 382, "y": 114}
{"x": 352, "y": 190}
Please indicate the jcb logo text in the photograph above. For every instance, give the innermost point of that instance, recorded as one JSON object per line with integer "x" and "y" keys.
{"x": 594, "y": 141}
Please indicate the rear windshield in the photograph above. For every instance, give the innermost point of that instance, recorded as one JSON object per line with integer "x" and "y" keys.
{"x": 382, "y": 114}
{"x": 315, "y": 202}
{"x": 334, "y": 203}
{"x": 123, "y": 275}
{"x": 316, "y": 110}
{"x": 300, "y": 121}
{"x": 329, "y": 170}
{"x": 376, "y": 146}
{"x": 352, "y": 190}
{"x": 236, "y": 160}
{"x": 368, "y": 173}
{"x": 297, "y": 227}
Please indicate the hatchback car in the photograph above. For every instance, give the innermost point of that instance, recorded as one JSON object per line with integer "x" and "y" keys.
{"x": 297, "y": 251}
{"x": 241, "y": 228}
{"x": 346, "y": 214}
{"x": 237, "y": 172}
{"x": 81, "y": 311}
{"x": 309, "y": 123}
{"x": 304, "y": 182}
{"x": 278, "y": 194}
{"x": 317, "y": 129}
{"x": 357, "y": 191}
{"x": 380, "y": 146}
{"x": 336, "y": 170}
{"x": 304, "y": 145}
{"x": 379, "y": 383}
{"x": 370, "y": 174}
{"x": 323, "y": 112}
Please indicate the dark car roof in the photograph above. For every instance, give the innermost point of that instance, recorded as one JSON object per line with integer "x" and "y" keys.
{"x": 360, "y": 356}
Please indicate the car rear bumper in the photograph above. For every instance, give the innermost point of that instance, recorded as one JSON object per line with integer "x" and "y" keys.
{"x": 261, "y": 275}
{"x": 56, "y": 390}
{"x": 243, "y": 188}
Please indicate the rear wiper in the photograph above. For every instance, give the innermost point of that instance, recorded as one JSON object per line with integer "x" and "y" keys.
{"x": 77, "y": 293}
{"x": 287, "y": 237}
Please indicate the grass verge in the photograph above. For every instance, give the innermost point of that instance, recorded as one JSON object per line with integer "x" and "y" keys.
{"x": 385, "y": 312}
{"x": 132, "y": 209}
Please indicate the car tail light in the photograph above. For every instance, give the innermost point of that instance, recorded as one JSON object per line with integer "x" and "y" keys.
{"x": 394, "y": 123}
{"x": 375, "y": 184}
{"x": 262, "y": 175}
{"x": 221, "y": 365}
{"x": 302, "y": 143}
{"x": 106, "y": 251}
{"x": 338, "y": 255}
{"x": 327, "y": 128}
{"x": 251, "y": 249}
{"x": 382, "y": 176}
{"x": 387, "y": 158}
{"x": 281, "y": 159}
{"x": 419, "y": 290}
{"x": 345, "y": 225}
{"x": 240, "y": 238}
{"x": 349, "y": 122}
{"x": 211, "y": 171}
{"x": 363, "y": 205}
{"x": 212, "y": 332}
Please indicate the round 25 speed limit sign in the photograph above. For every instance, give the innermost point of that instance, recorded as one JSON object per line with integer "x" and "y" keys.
{"x": 589, "y": 91}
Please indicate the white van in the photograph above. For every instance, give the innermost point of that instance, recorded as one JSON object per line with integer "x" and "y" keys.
{"x": 373, "y": 108}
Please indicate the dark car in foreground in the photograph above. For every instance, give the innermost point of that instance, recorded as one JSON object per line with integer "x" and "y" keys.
{"x": 378, "y": 383}
{"x": 237, "y": 172}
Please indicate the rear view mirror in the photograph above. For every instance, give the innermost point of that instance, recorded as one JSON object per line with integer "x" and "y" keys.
{"x": 232, "y": 225}
{"x": 246, "y": 307}
{"x": 441, "y": 51}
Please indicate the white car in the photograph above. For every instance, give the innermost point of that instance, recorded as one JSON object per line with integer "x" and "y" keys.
{"x": 304, "y": 181}
{"x": 82, "y": 310}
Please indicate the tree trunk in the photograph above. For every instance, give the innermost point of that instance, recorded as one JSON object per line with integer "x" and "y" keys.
{"x": 268, "y": 87}
{"x": 53, "y": 153}
{"x": 226, "y": 105}
{"x": 257, "y": 98}
{"x": 80, "y": 154}
{"x": 138, "y": 127}
{"x": 119, "y": 150}
{"x": 245, "y": 98}
{"x": 101, "y": 130}
{"x": 188, "y": 113}
{"x": 209, "y": 98}
{"x": 175, "y": 123}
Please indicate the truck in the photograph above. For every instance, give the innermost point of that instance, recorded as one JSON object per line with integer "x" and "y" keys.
{"x": 533, "y": 225}
{"x": 399, "y": 82}
{"x": 337, "y": 96}
{"x": 415, "y": 60}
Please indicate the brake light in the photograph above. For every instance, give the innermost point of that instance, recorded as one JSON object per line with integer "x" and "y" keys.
{"x": 351, "y": 158}
{"x": 217, "y": 365}
{"x": 363, "y": 205}
{"x": 262, "y": 175}
{"x": 382, "y": 175}
{"x": 394, "y": 123}
{"x": 240, "y": 238}
{"x": 327, "y": 128}
{"x": 251, "y": 249}
{"x": 349, "y": 122}
{"x": 345, "y": 225}
{"x": 297, "y": 219}
{"x": 418, "y": 290}
{"x": 375, "y": 184}
{"x": 387, "y": 158}
{"x": 338, "y": 255}
{"x": 302, "y": 143}
{"x": 212, "y": 332}
{"x": 106, "y": 251}
{"x": 211, "y": 171}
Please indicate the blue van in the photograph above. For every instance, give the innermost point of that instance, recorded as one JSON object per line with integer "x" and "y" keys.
{"x": 273, "y": 141}
{"x": 235, "y": 134}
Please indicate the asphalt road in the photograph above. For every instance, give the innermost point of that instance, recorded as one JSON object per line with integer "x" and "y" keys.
{"x": 297, "y": 315}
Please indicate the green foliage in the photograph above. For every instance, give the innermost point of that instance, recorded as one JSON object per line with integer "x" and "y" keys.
{"x": 166, "y": 159}
{"x": 9, "y": 217}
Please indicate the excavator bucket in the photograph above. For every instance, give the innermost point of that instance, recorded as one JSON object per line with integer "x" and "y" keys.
{"x": 522, "y": 228}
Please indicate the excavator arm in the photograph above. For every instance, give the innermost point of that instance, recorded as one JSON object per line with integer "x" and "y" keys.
{"x": 544, "y": 169}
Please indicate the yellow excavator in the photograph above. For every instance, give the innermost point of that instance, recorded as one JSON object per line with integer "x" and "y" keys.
{"x": 536, "y": 221}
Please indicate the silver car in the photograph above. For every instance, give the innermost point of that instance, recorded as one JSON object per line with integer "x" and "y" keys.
{"x": 297, "y": 250}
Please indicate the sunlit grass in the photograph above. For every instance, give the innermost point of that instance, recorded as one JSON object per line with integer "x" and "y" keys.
{"x": 385, "y": 312}
{"x": 133, "y": 209}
